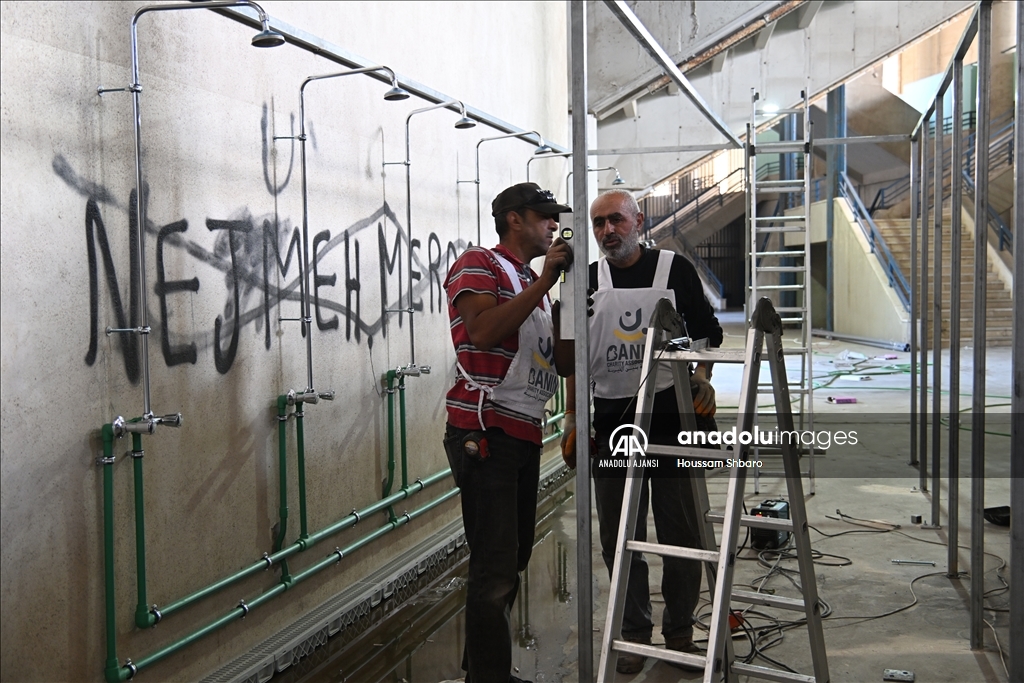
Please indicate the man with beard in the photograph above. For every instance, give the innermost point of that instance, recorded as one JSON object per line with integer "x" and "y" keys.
{"x": 628, "y": 282}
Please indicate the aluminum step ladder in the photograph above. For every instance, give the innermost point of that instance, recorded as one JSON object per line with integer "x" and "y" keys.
{"x": 777, "y": 266}
{"x": 677, "y": 353}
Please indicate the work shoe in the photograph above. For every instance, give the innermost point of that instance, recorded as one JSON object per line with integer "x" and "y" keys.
{"x": 629, "y": 663}
{"x": 685, "y": 645}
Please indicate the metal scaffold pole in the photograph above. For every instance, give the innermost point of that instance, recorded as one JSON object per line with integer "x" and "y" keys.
{"x": 584, "y": 573}
{"x": 1017, "y": 408}
{"x": 980, "y": 295}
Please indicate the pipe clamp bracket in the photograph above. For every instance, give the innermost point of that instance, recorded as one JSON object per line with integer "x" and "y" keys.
{"x": 106, "y": 461}
{"x": 135, "y": 87}
{"x": 245, "y": 608}
{"x": 132, "y": 669}
{"x": 355, "y": 513}
{"x": 157, "y": 616}
{"x": 137, "y": 454}
{"x": 407, "y": 517}
{"x": 337, "y": 551}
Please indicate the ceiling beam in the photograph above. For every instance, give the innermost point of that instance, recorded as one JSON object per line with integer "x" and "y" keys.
{"x": 807, "y": 13}
{"x": 761, "y": 41}
{"x": 733, "y": 34}
{"x": 718, "y": 63}
{"x": 636, "y": 28}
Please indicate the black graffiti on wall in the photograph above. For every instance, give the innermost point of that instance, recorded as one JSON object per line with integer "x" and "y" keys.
{"x": 260, "y": 258}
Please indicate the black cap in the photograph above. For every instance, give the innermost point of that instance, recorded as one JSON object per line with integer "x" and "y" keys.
{"x": 529, "y": 196}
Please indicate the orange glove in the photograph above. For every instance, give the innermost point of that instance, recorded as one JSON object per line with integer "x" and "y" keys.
{"x": 569, "y": 439}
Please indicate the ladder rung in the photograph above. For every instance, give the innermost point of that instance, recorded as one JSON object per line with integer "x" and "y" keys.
{"x": 706, "y": 356}
{"x": 780, "y": 269}
{"x": 790, "y": 254}
{"x": 791, "y": 320}
{"x": 779, "y": 219}
{"x": 792, "y": 390}
{"x": 765, "y": 600}
{"x": 780, "y": 147}
{"x": 780, "y": 228}
{"x": 782, "y": 185}
{"x": 793, "y": 350}
{"x": 673, "y": 551}
{"x": 778, "y": 288}
{"x": 790, "y": 309}
{"x": 770, "y": 674}
{"x": 664, "y": 654}
{"x": 774, "y": 523}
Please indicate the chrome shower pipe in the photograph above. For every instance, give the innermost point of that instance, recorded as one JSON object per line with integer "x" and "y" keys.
{"x": 306, "y": 317}
{"x": 592, "y": 170}
{"x": 135, "y": 87}
{"x": 524, "y": 134}
{"x": 543, "y": 156}
{"x": 463, "y": 122}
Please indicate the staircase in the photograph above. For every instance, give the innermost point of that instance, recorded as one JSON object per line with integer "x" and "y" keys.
{"x": 999, "y": 309}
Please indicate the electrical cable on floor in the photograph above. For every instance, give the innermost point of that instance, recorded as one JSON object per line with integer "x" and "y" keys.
{"x": 895, "y": 528}
{"x": 999, "y": 646}
{"x": 773, "y": 633}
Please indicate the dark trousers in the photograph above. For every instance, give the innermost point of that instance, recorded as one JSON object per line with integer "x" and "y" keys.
{"x": 499, "y": 512}
{"x": 675, "y": 521}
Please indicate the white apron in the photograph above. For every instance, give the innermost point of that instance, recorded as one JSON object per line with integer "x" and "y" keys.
{"x": 618, "y": 331}
{"x": 531, "y": 378}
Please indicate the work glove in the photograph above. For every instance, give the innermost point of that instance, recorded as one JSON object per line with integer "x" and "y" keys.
{"x": 569, "y": 439}
{"x": 703, "y": 396}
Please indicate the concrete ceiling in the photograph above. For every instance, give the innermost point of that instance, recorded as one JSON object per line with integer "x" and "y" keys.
{"x": 815, "y": 45}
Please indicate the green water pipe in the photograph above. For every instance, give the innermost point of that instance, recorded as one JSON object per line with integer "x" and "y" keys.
{"x": 144, "y": 618}
{"x": 282, "y": 466}
{"x": 300, "y": 443}
{"x": 401, "y": 427}
{"x": 116, "y": 673}
{"x": 390, "y": 379}
{"x": 557, "y": 416}
{"x": 268, "y": 561}
{"x": 113, "y": 666}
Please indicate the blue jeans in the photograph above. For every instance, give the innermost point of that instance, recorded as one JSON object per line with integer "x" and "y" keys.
{"x": 675, "y": 521}
{"x": 499, "y": 512}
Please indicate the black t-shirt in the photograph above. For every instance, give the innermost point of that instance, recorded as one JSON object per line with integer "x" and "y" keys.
{"x": 701, "y": 323}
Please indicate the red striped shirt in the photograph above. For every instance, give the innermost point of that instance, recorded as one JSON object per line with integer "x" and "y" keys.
{"x": 479, "y": 272}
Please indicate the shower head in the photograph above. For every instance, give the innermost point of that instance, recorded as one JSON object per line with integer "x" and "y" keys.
{"x": 267, "y": 37}
{"x": 543, "y": 148}
{"x": 618, "y": 179}
{"x": 396, "y": 93}
{"x": 465, "y": 122}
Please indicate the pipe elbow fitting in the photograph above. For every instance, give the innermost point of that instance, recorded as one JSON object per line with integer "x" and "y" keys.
{"x": 145, "y": 617}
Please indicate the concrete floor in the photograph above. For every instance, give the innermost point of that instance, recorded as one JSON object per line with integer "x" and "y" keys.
{"x": 855, "y": 576}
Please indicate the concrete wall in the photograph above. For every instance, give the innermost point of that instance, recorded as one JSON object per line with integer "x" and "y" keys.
{"x": 864, "y": 303}
{"x": 211, "y": 105}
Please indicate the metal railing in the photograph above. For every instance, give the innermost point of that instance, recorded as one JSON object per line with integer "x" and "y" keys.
{"x": 1005, "y": 236}
{"x": 878, "y": 246}
{"x": 1001, "y": 153}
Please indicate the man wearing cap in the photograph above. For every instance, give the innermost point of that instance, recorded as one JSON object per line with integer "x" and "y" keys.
{"x": 505, "y": 373}
{"x": 627, "y": 284}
